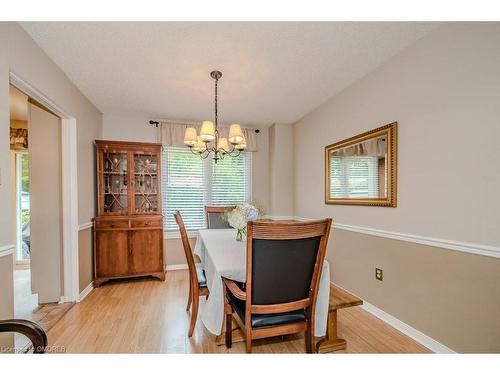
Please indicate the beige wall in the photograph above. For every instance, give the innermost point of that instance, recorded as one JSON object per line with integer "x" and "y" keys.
{"x": 444, "y": 92}
{"x": 85, "y": 257}
{"x": 20, "y": 54}
{"x": 6, "y": 297}
{"x": 174, "y": 253}
{"x": 451, "y": 296}
{"x": 131, "y": 127}
{"x": 280, "y": 170}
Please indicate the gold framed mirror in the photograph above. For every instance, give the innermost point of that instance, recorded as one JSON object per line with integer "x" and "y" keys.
{"x": 362, "y": 170}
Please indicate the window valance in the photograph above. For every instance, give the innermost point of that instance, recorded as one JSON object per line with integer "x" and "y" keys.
{"x": 172, "y": 134}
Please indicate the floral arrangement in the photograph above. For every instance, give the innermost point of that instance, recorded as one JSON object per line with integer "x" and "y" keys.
{"x": 239, "y": 216}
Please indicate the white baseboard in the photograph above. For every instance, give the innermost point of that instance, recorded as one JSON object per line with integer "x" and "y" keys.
{"x": 409, "y": 331}
{"x": 174, "y": 267}
{"x": 86, "y": 292}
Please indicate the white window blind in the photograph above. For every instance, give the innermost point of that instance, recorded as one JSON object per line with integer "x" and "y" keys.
{"x": 189, "y": 183}
{"x": 354, "y": 177}
{"x": 230, "y": 182}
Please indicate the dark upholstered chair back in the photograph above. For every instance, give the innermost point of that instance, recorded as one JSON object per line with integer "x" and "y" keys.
{"x": 282, "y": 269}
{"x": 284, "y": 261}
{"x": 214, "y": 217}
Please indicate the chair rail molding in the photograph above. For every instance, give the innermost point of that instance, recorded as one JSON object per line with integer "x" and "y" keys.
{"x": 85, "y": 226}
{"x": 466, "y": 247}
{"x": 6, "y": 250}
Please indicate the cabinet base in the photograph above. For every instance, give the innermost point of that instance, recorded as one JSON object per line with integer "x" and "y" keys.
{"x": 101, "y": 280}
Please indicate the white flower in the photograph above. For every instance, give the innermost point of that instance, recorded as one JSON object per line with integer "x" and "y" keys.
{"x": 241, "y": 214}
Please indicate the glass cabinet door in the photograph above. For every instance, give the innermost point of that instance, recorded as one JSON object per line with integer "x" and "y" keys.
{"x": 115, "y": 183}
{"x": 145, "y": 183}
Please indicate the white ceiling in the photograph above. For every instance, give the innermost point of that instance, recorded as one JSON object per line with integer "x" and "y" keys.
{"x": 18, "y": 104}
{"x": 272, "y": 72}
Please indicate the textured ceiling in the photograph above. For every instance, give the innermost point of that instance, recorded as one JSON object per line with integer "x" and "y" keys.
{"x": 272, "y": 72}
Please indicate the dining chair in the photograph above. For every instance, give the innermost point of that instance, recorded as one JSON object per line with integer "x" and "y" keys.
{"x": 197, "y": 278}
{"x": 283, "y": 268}
{"x": 31, "y": 330}
{"x": 213, "y": 215}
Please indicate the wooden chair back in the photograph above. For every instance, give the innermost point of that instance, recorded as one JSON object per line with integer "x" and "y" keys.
{"x": 284, "y": 263}
{"x": 213, "y": 216}
{"x": 187, "y": 249}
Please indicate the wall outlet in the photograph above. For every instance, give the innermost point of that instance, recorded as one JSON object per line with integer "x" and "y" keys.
{"x": 379, "y": 274}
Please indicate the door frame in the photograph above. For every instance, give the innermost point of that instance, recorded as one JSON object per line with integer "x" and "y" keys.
{"x": 70, "y": 291}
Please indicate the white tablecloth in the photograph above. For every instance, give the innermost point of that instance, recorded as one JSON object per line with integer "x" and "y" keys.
{"x": 221, "y": 255}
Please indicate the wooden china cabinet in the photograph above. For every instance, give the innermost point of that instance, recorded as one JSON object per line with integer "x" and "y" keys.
{"x": 128, "y": 231}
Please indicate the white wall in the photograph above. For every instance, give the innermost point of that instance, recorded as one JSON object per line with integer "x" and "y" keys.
{"x": 445, "y": 92}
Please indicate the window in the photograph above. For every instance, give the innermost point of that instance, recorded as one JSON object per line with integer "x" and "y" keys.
{"x": 189, "y": 183}
{"x": 23, "y": 207}
{"x": 354, "y": 176}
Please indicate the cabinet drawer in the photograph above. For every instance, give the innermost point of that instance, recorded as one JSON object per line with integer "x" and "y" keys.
{"x": 112, "y": 224}
{"x": 146, "y": 223}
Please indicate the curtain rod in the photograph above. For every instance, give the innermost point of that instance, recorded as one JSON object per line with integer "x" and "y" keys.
{"x": 156, "y": 123}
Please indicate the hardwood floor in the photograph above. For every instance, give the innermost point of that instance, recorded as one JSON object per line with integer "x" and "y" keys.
{"x": 26, "y": 306}
{"x": 148, "y": 316}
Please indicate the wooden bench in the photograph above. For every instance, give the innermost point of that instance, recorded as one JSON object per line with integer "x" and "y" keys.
{"x": 339, "y": 299}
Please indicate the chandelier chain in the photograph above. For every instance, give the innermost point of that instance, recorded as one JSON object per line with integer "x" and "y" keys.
{"x": 220, "y": 148}
{"x": 216, "y": 83}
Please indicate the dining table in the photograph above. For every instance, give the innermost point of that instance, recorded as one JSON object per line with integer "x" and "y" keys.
{"x": 221, "y": 256}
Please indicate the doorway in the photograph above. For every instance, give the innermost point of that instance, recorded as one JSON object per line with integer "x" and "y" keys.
{"x": 36, "y": 180}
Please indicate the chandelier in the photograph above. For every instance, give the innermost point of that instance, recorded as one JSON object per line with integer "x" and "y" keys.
{"x": 209, "y": 134}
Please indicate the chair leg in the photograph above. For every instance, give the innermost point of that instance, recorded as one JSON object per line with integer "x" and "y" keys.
{"x": 194, "y": 313}
{"x": 248, "y": 342}
{"x": 229, "y": 330}
{"x": 309, "y": 337}
{"x": 190, "y": 298}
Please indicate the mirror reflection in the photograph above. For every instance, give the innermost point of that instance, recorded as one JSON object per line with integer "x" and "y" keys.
{"x": 359, "y": 170}
{"x": 362, "y": 170}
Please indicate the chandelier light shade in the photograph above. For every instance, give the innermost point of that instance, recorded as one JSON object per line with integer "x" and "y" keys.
{"x": 235, "y": 134}
{"x": 242, "y": 145}
{"x": 209, "y": 134}
{"x": 199, "y": 146}
{"x": 223, "y": 145}
{"x": 190, "y": 137}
